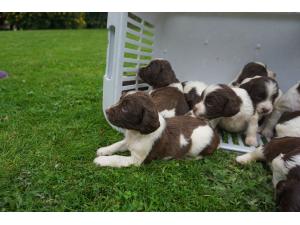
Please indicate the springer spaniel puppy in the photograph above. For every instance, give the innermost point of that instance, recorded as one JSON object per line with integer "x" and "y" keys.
{"x": 284, "y": 156}
{"x": 263, "y": 92}
{"x": 149, "y": 136}
{"x": 251, "y": 70}
{"x": 231, "y": 109}
{"x": 192, "y": 91}
{"x": 288, "y": 102}
{"x": 167, "y": 93}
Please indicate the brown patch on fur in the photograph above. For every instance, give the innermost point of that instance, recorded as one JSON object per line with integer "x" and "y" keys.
{"x": 158, "y": 73}
{"x": 222, "y": 102}
{"x": 170, "y": 98}
{"x": 298, "y": 88}
{"x": 250, "y": 70}
{"x": 288, "y": 116}
{"x": 278, "y": 146}
{"x": 169, "y": 143}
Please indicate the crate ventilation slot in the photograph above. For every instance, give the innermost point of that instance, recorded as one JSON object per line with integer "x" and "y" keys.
{"x": 235, "y": 142}
{"x": 138, "y": 51}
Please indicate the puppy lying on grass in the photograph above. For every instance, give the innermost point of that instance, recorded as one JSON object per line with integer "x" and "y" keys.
{"x": 148, "y": 136}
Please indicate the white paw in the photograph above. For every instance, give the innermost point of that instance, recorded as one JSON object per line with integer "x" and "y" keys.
{"x": 251, "y": 141}
{"x": 243, "y": 159}
{"x": 103, "y": 151}
{"x": 267, "y": 133}
{"x": 102, "y": 161}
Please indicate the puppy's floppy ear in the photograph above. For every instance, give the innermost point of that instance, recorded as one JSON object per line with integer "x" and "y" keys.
{"x": 248, "y": 86}
{"x": 232, "y": 101}
{"x": 280, "y": 187}
{"x": 150, "y": 121}
{"x": 232, "y": 106}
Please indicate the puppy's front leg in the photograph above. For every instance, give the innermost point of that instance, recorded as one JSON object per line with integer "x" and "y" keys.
{"x": 111, "y": 149}
{"x": 251, "y": 132}
{"x": 117, "y": 161}
{"x": 257, "y": 154}
{"x": 270, "y": 123}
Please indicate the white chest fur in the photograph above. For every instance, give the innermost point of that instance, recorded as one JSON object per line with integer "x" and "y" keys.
{"x": 140, "y": 145}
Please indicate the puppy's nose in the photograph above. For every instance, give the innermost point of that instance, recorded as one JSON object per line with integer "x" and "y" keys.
{"x": 265, "y": 110}
{"x": 107, "y": 111}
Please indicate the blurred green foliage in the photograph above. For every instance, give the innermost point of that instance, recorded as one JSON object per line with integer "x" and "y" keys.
{"x": 52, "y": 20}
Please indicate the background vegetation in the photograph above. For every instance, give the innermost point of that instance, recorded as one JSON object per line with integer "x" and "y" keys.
{"x": 53, "y": 20}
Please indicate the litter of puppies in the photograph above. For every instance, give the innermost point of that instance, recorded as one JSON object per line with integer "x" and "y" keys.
{"x": 179, "y": 119}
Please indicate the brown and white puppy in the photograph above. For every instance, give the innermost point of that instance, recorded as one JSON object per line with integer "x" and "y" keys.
{"x": 251, "y": 70}
{"x": 148, "y": 136}
{"x": 192, "y": 91}
{"x": 263, "y": 92}
{"x": 288, "y": 102}
{"x": 284, "y": 156}
{"x": 167, "y": 93}
{"x": 231, "y": 109}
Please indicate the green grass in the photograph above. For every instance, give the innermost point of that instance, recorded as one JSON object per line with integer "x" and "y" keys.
{"x": 51, "y": 124}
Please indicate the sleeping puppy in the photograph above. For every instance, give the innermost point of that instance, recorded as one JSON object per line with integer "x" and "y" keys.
{"x": 231, "y": 109}
{"x": 251, "y": 70}
{"x": 148, "y": 136}
{"x": 284, "y": 156}
{"x": 288, "y": 102}
{"x": 192, "y": 91}
{"x": 167, "y": 93}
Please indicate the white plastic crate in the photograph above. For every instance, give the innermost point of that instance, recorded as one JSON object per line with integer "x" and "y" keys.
{"x": 210, "y": 47}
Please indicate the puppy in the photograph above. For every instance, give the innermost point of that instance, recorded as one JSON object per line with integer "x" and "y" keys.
{"x": 288, "y": 102}
{"x": 231, "y": 109}
{"x": 192, "y": 91}
{"x": 284, "y": 156}
{"x": 167, "y": 93}
{"x": 263, "y": 92}
{"x": 251, "y": 70}
{"x": 148, "y": 136}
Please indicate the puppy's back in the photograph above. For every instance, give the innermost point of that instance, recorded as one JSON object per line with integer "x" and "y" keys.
{"x": 169, "y": 98}
{"x": 278, "y": 146}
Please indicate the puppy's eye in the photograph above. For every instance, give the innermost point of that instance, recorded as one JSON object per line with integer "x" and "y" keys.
{"x": 124, "y": 109}
{"x": 209, "y": 102}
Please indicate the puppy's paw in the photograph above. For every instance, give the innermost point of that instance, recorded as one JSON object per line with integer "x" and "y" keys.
{"x": 251, "y": 141}
{"x": 103, "y": 151}
{"x": 267, "y": 133}
{"x": 243, "y": 159}
{"x": 102, "y": 161}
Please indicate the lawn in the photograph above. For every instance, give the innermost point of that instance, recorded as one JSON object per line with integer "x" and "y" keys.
{"x": 51, "y": 123}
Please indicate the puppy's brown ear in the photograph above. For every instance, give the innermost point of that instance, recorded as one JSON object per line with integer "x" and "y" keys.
{"x": 150, "y": 121}
{"x": 232, "y": 106}
{"x": 248, "y": 86}
{"x": 298, "y": 88}
{"x": 280, "y": 187}
{"x": 232, "y": 103}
